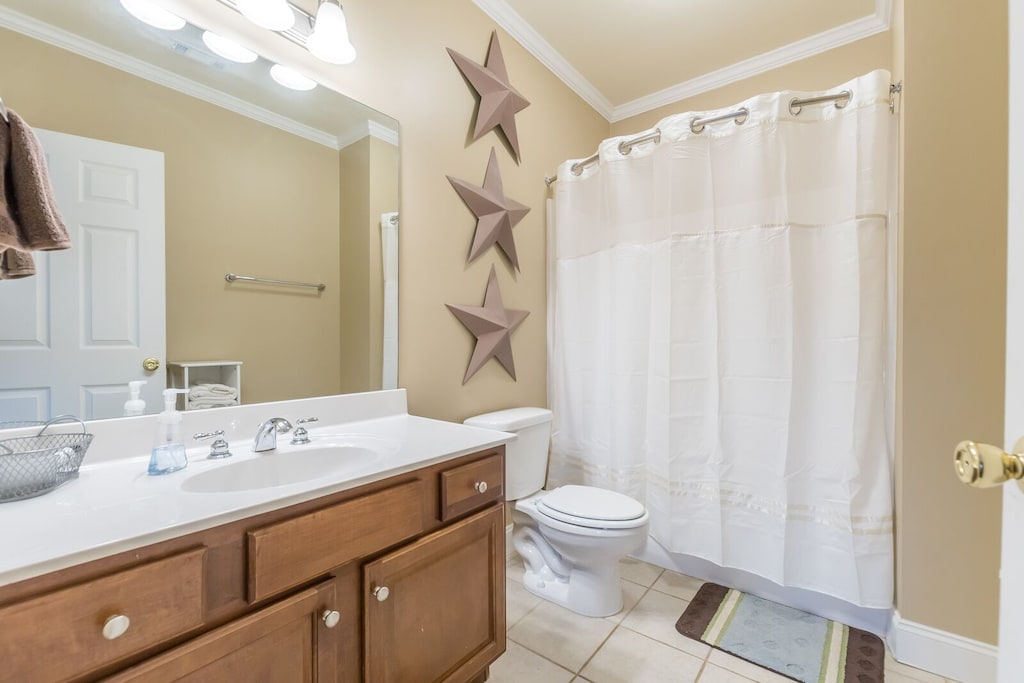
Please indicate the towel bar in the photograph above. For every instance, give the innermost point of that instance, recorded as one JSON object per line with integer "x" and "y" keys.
{"x": 319, "y": 286}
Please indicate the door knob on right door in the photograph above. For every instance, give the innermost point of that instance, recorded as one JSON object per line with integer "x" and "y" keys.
{"x": 982, "y": 465}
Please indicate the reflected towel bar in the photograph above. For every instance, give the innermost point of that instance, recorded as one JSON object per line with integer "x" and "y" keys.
{"x": 318, "y": 286}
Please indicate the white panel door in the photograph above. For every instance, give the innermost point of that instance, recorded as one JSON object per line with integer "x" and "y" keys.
{"x": 79, "y": 330}
{"x": 1011, "y": 597}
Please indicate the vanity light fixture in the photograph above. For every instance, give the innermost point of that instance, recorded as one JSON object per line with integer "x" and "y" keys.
{"x": 153, "y": 14}
{"x": 329, "y": 40}
{"x": 290, "y": 78}
{"x": 228, "y": 49}
{"x": 275, "y": 15}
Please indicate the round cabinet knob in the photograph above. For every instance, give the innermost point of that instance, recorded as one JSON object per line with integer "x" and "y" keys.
{"x": 982, "y": 465}
{"x": 381, "y": 593}
{"x": 116, "y": 626}
{"x": 330, "y": 617}
{"x": 150, "y": 364}
{"x": 480, "y": 486}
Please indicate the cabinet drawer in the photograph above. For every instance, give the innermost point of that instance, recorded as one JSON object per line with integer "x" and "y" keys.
{"x": 287, "y": 641}
{"x": 297, "y": 550}
{"x": 60, "y": 635}
{"x": 468, "y": 487}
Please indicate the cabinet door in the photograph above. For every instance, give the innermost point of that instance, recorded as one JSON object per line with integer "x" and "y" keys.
{"x": 287, "y": 642}
{"x": 435, "y": 609}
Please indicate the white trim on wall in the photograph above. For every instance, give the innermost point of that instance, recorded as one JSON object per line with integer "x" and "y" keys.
{"x": 527, "y": 36}
{"x": 943, "y": 653}
{"x": 368, "y": 129}
{"x": 517, "y": 27}
{"x": 86, "y": 48}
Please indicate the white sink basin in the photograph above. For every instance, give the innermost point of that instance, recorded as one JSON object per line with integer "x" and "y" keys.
{"x": 283, "y": 468}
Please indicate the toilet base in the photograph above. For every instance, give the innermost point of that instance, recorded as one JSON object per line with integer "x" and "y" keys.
{"x": 592, "y": 593}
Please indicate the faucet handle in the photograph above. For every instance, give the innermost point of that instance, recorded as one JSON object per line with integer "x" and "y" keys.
{"x": 301, "y": 436}
{"x": 219, "y": 448}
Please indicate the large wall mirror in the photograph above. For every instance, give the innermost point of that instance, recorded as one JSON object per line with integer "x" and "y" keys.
{"x": 143, "y": 126}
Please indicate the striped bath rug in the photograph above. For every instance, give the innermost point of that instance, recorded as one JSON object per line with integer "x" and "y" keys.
{"x": 796, "y": 644}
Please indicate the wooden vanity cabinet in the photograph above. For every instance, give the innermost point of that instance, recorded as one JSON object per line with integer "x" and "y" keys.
{"x": 288, "y": 595}
{"x": 288, "y": 641}
{"x": 435, "y": 608}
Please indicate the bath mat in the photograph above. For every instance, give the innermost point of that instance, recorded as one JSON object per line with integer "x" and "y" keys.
{"x": 796, "y": 644}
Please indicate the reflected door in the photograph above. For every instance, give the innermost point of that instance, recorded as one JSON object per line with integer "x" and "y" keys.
{"x": 75, "y": 333}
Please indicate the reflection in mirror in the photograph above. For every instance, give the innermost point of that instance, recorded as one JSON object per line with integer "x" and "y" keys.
{"x": 173, "y": 167}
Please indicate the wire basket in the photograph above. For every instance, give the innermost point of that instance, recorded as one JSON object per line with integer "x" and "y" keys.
{"x": 33, "y": 465}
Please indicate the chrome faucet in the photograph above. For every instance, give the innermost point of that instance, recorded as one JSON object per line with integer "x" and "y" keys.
{"x": 266, "y": 434}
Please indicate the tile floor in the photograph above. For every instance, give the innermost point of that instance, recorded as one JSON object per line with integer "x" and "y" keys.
{"x": 550, "y": 644}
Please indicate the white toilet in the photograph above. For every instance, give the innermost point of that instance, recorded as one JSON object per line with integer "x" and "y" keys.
{"x": 572, "y": 538}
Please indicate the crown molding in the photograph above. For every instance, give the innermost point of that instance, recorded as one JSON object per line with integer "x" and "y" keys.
{"x": 787, "y": 54}
{"x": 382, "y": 132}
{"x": 368, "y": 128}
{"x": 517, "y": 27}
{"x": 65, "y": 40}
{"x": 535, "y": 44}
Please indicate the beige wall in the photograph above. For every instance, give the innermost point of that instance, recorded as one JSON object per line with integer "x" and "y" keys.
{"x": 953, "y": 308}
{"x": 355, "y": 265}
{"x": 404, "y": 71}
{"x": 261, "y": 208}
{"x": 369, "y": 187}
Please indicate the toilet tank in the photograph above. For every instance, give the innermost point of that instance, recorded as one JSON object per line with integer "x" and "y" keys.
{"x": 526, "y": 456}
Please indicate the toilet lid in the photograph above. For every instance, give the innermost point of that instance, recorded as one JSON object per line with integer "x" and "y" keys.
{"x": 591, "y": 507}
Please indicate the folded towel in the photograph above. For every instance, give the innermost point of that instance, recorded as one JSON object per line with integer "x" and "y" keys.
{"x": 217, "y": 388}
{"x": 16, "y": 264}
{"x": 211, "y": 403}
{"x": 199, "y": 392}
{"x": 223, "y": 400}
{"x": 29, "y": 217}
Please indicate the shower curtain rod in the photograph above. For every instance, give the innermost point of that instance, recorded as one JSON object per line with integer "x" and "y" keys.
{"x": 740, "y": 115}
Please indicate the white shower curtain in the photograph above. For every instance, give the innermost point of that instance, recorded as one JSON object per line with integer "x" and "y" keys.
{"x": 719, "y": 337}
{"x": 389, "y": 265}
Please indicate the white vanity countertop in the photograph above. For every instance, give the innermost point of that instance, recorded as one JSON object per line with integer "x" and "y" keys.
{"x": 115, "y": 506}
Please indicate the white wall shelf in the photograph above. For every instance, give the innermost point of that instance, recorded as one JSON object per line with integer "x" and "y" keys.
{"x": 186, "y": 374}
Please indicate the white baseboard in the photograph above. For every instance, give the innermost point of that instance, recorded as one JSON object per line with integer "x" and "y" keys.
{"x": 941, "y": 652}
{"x": 510, "y": 552}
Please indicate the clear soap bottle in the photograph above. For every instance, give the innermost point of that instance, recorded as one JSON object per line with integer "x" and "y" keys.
{"x": 168, "y": 453}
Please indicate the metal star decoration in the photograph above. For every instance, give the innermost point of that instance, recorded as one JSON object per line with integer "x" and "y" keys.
{"x": 495, "y": 213}
{"x": 492, "y": 324}
{"x": 499, "y": 101}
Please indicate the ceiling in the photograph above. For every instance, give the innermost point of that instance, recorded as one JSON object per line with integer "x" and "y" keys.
{"x": 625, "y": 58}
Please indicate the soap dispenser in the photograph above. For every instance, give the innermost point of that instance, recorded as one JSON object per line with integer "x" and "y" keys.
{"x": 169, "y": 445}
{"x": 135, "y": 405}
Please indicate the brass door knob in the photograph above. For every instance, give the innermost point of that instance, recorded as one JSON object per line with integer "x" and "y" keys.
{"x": 151, "y": 364}
{"x": 982, "y": 465}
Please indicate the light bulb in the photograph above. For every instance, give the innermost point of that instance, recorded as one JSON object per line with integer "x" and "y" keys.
{"x": 290, "y": 78}
{"x": 153, "y": 14}
{"x": 228, "y": 49}
{"x": 329, "y": 40}
{"x": 273, "y": 14}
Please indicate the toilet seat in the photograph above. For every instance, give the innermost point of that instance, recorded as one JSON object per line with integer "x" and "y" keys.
{"x": 592, "y": 508}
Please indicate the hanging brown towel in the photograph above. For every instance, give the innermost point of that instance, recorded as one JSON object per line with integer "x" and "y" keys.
{"x": 29, "y": 217}
{"x": 10, "y": 232}
{"x": 41, "y": 227}
{"x": 16, "y": 264}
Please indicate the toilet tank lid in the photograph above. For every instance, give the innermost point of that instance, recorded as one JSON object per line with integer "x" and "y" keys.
{"x": 510, "y": 420}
